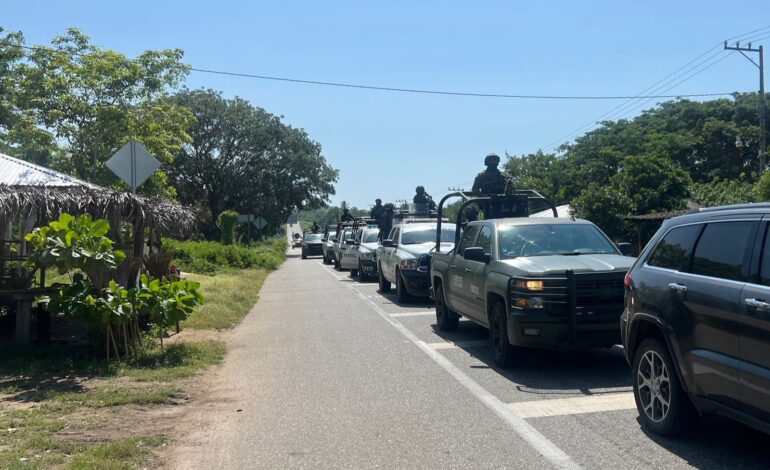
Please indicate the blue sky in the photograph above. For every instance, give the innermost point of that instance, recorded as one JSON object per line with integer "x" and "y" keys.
{"x": 385, "y": 144}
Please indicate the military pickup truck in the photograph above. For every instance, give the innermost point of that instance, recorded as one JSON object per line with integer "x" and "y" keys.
{"x": 327, "y": 248}
{"x": 552, "y": 283}
{"x": 403, "y": 257}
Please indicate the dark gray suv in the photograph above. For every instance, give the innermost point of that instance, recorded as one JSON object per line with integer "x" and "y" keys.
{"x": 696, "y": 325}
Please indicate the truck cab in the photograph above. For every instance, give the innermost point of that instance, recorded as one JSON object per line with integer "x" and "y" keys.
{"x": 551, "y": 283}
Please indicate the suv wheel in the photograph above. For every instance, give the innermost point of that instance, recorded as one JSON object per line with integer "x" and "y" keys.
{"x": 663, "y": 406}
{"x": 446, "y": 319}
{"x": 402, "y": 296}
{"x": 504, "y": 353}
{"x": 384, "y": 283}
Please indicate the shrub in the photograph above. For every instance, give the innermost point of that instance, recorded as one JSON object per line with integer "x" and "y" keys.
{"x": 212, "y": 257}
{"x": 226, "y": 223}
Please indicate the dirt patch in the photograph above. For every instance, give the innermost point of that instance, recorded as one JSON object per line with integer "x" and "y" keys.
{"x": 199, "y": 335}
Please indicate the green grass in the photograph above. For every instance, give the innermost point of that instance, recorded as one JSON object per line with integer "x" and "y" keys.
{"x": 229, "y": 297}
{"x": 208, "y": 257}
{"x": 64, "y": 384}
{"x": 121, "y": 454}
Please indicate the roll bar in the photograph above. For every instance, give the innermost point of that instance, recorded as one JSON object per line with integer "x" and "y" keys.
{"x": 495, "y": 207}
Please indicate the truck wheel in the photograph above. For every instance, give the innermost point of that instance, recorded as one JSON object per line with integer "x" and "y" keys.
{"x": 304, "y": 255}
{"x": 337, "y": 265}
{"x": 326, "y": 260}
{"x": 402, "y": 296}
{"x": 361, "y": 275}
{"x": 384, "y": 283}
{"x": 446, "y": 319}
{"x": 664, "y": 407}
{"x": 354, "y": 273}
{"x": 504, "y": 353}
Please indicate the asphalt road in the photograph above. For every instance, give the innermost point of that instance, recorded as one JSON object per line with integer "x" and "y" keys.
{"x": 326, "y": 372}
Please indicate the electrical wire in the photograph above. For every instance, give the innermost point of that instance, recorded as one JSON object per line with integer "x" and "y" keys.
{"x": 755, "y": 35}
{"x": 421, "y": 91}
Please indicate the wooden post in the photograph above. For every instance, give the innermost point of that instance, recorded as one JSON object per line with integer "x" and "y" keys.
{"x": 23, "y": 319}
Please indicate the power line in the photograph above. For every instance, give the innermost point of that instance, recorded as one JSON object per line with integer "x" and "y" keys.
{"x": 418, "y": 90}
{"x": 675, "y": 75}
{"x": 441, "y": 92}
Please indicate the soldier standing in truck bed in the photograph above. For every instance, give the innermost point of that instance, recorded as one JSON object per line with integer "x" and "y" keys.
{"x": 386, "y": 222}
{"x": 492, "y": 181}
{"x": 421, "y": 198}
{"x": 346, "y": 217}
{"x": 377, "y": 210}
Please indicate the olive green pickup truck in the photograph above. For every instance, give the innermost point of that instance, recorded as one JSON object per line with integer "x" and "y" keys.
{"x": 552, "y": 283}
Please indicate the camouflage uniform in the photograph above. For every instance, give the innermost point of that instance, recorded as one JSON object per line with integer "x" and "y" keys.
{"x": 423, "y": 198}
{"x": 386, "y": 222}
{"x": 377, "y": 211}
{"x": 346, "y": 217}
{"x": 492, "y": 181}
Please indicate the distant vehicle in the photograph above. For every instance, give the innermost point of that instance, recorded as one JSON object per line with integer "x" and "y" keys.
{"x": 296, "y": 240}
{"x": 343, "y": 244}
{"x": 366, "y": 253}
{"x": 312, "y": 245}
{"x": 403, "y": 257}
{"x": 330, "y": 236}
{"x": 533, "y": 282}
{"x": 696, "y": 325}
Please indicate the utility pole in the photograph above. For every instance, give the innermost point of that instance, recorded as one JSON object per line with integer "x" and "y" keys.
{"x": 762, "y": 107}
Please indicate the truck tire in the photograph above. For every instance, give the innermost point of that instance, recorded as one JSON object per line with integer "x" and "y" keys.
{"x": 384, "y": 283}
{"x": 402, "y": 296}
{"x": 337, "y": 265}
{"x": 446, "y": 319}
{"x": 505, "y": 354}
{"x": 304, "y": 255}
{"x": 354, "y": 272}
{"x": 361, "y": 274}
{"x": 655, "y": 383}
{"x": 326, "y": 260}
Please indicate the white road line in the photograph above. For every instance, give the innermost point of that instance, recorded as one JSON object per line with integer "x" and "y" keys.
{"x": 458, "y": 344}
{"x": 412, "y": 314}
{"x": 575, "y": 405}
{"x": 518, "y": 424}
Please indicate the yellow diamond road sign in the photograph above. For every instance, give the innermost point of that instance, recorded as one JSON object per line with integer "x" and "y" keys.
{"x": 133, "y": 164}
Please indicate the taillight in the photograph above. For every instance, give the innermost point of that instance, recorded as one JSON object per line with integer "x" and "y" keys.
{"x": 627, "y": 281}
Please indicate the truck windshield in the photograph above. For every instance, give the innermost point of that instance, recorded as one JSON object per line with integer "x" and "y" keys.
{"x": 552, "y": 239}
{"x": 414, "y": 237}
{"x": 370, "y": 237}
{"x": 312, "y": 237}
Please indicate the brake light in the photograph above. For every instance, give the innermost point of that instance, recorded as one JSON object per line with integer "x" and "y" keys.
{"x": 627, "y": 281}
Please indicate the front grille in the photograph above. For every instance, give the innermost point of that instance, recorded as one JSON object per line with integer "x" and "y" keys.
{"x": 598, "y": 296}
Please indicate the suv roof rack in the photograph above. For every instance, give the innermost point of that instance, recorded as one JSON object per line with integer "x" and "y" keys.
{"x": 495, "y": 206}
{"x": 748, "y": 205}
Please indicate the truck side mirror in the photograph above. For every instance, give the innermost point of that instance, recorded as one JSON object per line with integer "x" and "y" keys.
{"x": 626, "y": 249}
{"x": 476, "y": 253}
{"x": 387, "y": 243}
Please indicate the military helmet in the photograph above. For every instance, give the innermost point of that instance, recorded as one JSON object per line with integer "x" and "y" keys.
{"x": 492, "y": 159}
{"x": 420, "y": 189}
{"x": 378, "y": 201}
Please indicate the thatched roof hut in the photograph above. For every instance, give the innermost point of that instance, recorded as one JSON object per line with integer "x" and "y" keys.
{"x": 32, "y": 192}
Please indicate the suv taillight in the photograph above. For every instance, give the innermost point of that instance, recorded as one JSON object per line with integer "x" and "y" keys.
{"x": 627, "y": 281}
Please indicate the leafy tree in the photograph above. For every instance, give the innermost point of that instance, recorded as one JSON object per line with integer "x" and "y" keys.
{"x": 720, "y": 192}
{"x": 605, "y": 206}
{"x": 543, "y": 172}
{"x": 245, "y": 159}
{"x": 94, "y": 100}
{"x": 652, "y": 184}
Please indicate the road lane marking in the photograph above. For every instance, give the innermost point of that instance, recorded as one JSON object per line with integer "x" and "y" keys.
{"x": 574, "y": 406}
{"x": 553, "y": 454}
{"x": 459, "y": 344}
{"x": 412, "y": 314}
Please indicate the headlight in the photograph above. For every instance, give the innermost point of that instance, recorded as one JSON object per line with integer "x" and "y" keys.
{"x": 530, "y": 285}
{"x": 408, "y": 264}
{"x": 367, "y": 256}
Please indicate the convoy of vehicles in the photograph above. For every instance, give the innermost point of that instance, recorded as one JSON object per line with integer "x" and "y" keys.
{"x": 692, "y": 311}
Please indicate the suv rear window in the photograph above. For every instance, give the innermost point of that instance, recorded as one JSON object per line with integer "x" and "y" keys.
{"x": 722, "y": 249}
{"x": 674, "y": 250}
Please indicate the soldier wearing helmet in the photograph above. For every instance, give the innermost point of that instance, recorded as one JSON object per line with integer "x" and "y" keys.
{"x": 377, "y": 210}
{"x": 423, "y": 199}
{"x": 346, "y": 216}
{"x": 492, "y": 181}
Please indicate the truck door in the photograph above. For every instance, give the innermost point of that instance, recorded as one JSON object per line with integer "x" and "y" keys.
{"x": 458, "y": 277}
{"x": 389, "y": 261}
{"x": 474, "y": 292}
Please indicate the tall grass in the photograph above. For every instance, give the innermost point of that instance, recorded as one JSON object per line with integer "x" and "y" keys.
{"x": 206, "y": 257}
